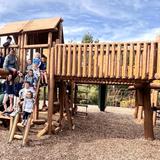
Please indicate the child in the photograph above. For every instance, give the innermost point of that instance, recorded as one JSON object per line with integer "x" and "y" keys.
{"x": 23, "y": 92}
{"x": 37, "y": 59}
{"x": 29, "y": 65}
{"x": 27, "y": 107}
{"x": 36, "y": 71}
{"x": 31, "y": 78}
{"x": 43, "y": 72}
{"x": 9, "y": 92}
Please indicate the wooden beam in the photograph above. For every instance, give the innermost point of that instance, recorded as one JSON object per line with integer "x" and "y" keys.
{"x": 51, "y": 90}
{"x": 34, "y": 46}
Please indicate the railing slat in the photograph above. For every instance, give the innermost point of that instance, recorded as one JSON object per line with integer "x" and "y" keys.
{"x": 118, "y": 61}
{"x": 144, "y": 62}
{"x": 79, "y": 60}
{"x": 64, "y": 61}
{"x": 158, "y": 61}
{"x": 56, "y": 50}
{"x": 69, "y": 61}
{"x": 90, "y": 61}
{"x": 151, "y": 64}
{"x": 74, "y": 61}
{"x": 131, "y": 55}
{"x": 96, "y": 61}
{"x": 137, "y": 61}
{"x": 124, "y": 70}
{"x": 101, "y": 60}
{"x": 112, "y": 60}
{"x": 106, "y": 61}
{"x": 59, "y": 59}
{"x": 85, "y": 60}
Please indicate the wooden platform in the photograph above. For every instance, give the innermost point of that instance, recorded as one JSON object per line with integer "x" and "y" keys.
{"x": 2, "y": 117}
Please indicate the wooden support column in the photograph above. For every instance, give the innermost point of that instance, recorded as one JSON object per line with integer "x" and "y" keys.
{"x": 49, "y": 51}
{"x": 136, "y": 106}
{"x": 148, "y": 117}
{"x": 61, "y": 99}
{"x": 24, "y": 53}
{"x": 140, "y": 105}
{"x": 51, "y": 91}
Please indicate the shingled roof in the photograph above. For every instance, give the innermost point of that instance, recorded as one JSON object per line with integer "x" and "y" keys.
{"x": 30, "y": 25}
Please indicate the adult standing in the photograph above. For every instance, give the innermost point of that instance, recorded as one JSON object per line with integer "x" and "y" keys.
{"x": 11, "y": 63}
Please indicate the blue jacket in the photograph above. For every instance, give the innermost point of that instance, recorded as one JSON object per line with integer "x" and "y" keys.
{"x": 7, "y": 88}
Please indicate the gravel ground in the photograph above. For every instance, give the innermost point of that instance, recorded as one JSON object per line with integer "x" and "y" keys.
{"x": 110, "y": 135}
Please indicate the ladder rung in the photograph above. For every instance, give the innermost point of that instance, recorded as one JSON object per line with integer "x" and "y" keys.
{"x": 17, "y": 136}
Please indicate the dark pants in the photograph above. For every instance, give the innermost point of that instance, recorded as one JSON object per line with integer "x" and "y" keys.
{"x": 26, "y": 115}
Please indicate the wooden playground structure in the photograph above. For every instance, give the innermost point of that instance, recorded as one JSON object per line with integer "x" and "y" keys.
{"x": 136, "y": 64}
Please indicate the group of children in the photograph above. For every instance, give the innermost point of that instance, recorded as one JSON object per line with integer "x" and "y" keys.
{"x": 19, "y": 88}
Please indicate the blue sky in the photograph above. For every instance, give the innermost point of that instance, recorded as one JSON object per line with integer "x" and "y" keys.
{"x": 107, "y": 20}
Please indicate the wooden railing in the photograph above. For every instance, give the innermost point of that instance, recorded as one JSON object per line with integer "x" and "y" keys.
{"x": 108, "y": 60}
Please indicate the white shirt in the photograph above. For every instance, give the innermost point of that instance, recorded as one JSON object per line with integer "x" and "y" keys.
{"x": 28, "y": 105}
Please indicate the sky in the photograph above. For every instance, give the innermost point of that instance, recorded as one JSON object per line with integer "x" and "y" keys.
{"x": 106, "y": 20}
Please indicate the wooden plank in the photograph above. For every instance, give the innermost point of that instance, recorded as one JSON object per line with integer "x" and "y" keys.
{"x": 49, "y": 50}
{"x": 56, "y": 59}
{"x": 74, "y": 61}
{"x": 84, "y": 60}
{"x": 151, "y": 64}
{"x": 112, "y": 60}
{"x": 34, "y": 46}
{"x": 90, "y": 61}
{"x": 137, "y": 61}
{"x": 95, "y": 61}
{"x": 79, "y": 60}
{"x": 69, "y": 61}
{"x": 158, "y": 61}
{"x": 107, "y": 61}
{"x": 124, "y": 69}
{"x": 64, "y": 61}
{"x": 131, "y": 55}
{"x": 59, "y": 65}
{"x": 101, "y": 60}
{"x": 118, "y": 61}
{"x": 144, "y": 62}
{"x": 51, "y": 91}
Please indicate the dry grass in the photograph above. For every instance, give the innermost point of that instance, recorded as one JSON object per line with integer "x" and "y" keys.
{"x": 112, "y": 135}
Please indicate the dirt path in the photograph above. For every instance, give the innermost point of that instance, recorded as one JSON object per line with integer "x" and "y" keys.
{"x": 112, "y": 135}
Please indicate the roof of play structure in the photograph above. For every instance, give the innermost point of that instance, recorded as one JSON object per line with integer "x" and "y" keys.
{"x": 30, "y": 25}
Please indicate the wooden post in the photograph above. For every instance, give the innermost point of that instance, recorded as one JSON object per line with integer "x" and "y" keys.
{"x": 61, "y": 100}
{"x": 136, "y": 106}
{"x": 140, "y": 105}
{"x": 148, "y": 117}
{"x": 51, "y": 91}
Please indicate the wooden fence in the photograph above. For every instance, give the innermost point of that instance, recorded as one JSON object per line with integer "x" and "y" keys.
{"x": 108, "y": 60}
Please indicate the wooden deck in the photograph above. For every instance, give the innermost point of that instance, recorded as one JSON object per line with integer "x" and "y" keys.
{"x": 107, "y": 62}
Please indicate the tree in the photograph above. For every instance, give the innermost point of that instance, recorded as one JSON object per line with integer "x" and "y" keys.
{"x": 87, "y": 38}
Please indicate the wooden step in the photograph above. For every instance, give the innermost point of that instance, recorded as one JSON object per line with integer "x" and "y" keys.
{"x": 17, "y": 136}
{"x": 39, "y": 121}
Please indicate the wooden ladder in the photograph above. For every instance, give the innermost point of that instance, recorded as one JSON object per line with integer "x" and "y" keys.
{"x": 16, "y": 125}
{"x": 32, "y": 117}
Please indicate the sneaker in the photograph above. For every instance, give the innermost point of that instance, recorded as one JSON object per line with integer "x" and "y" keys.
{"x": 25, "y": 122}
